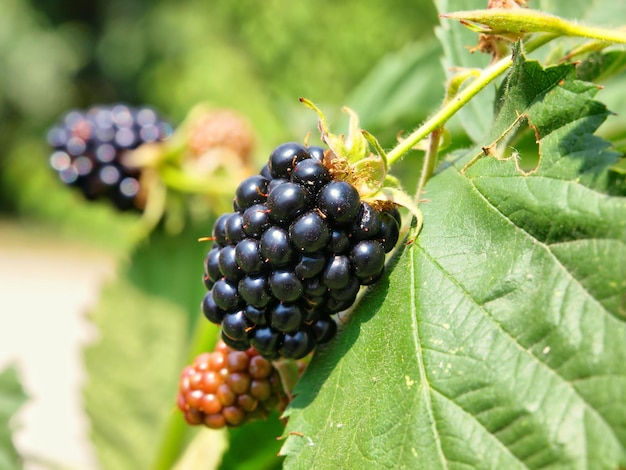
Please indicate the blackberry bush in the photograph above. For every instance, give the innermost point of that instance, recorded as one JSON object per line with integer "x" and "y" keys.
{"x": 295, "y": 251}
{"x": 89, "y": 146}
{"x": 228, "y": 387}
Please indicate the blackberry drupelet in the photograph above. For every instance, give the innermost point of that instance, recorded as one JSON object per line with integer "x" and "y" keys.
{"x": 89, "y": 146}
{"x": 295, "y": 251}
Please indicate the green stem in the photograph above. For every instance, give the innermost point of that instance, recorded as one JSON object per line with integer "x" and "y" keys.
{"x": 176, "y": 428}
{"x": 188, "y": 183}
{"x": 174, "y": 439}
{"x": 601, "y": 34}
{"x": 430, "y": 162}
{"x": 155, "y": 205}
{"x": 450, "y": 108}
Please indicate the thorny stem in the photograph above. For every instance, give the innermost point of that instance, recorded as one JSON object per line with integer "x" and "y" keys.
{"x": 448, "y": 110}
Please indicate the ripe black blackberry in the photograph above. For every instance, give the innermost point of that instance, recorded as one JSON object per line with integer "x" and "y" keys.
{"x": 89, "y": 146}
{"x": 227, "y": 387}
{"x": 295, "y": 251}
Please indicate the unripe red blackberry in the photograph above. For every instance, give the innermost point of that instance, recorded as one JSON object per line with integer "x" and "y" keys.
{"x": 295, "y": 251}
{"x": 227, "y": 387}
{"x": 89, "y": 146}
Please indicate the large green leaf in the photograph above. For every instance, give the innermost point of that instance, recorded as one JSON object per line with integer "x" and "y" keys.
{"x": 12, "y": 397}
{"x": 170, "y": 267}
{"x": 498, "y": 339}
{"x": 144, "y": 318}
{"x": 133, "y": 371}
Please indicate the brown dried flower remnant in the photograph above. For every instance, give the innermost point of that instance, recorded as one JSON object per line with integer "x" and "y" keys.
{"x": 496, "y": 45}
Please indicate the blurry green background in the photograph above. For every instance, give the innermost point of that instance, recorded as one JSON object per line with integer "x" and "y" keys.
{"x": 57, "y": 250}
{"x": 257, "y": 58}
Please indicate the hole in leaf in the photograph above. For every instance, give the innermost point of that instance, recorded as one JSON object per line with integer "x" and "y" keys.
{"x": 523, "y": 147}
{"x": 519, "y": 142}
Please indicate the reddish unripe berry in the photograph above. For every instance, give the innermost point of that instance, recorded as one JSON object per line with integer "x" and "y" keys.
{"x": 228, "y": 387}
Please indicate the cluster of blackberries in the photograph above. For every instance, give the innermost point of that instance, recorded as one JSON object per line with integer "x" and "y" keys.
{"x": 295, "y": 251}
{"x": 228, "y": 387}
{"x": 88, "y": 146}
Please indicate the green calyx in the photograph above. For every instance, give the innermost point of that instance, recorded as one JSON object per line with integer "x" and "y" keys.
{"x": 351, "y": 159}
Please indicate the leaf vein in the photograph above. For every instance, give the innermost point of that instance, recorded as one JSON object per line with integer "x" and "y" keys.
{"x": 567, "y": 383}
{"x": 548, "y": 250}
{"x": 481, "y": 425}
{"x": 508, "y": 334}
{"x": 420, "y": 359}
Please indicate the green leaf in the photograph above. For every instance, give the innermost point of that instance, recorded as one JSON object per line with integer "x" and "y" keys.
{"x": 607, "y": 68}
{"x": 133, "y": 374}
{"x": 144, "y": 319}
{"x": 170, "y": 267}
{"x": 12, "y": 397}
{"x": 498, "y": 339}
{"x": 456, "y": 40}
{"x": 600, "y": 66}
{"x": 400, "y": 90}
